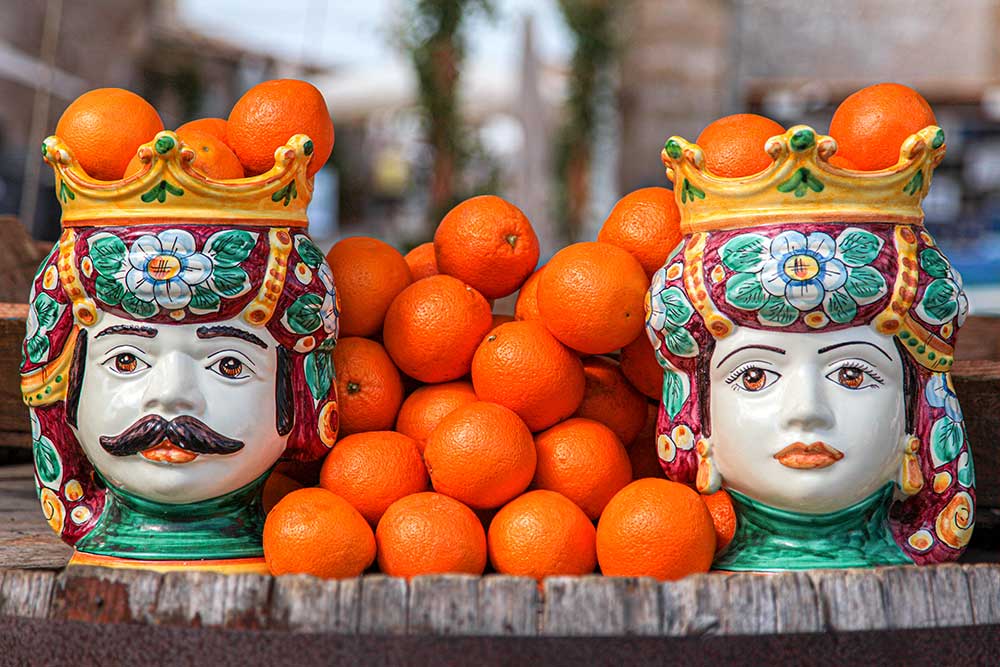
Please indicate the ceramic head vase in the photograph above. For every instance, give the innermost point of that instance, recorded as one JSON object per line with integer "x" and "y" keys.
{"x": 806, "y": 327}
{"x": 178, "y": 345}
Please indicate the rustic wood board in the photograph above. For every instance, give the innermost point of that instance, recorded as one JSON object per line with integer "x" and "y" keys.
{"x": 713, "y": 604}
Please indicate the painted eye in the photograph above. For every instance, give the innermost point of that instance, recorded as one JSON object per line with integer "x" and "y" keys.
{"x": 230, "y": 368}
{"x": 854, "y": 377}
{"x": 752, "y": 378}
{"x": 126, "y": 363}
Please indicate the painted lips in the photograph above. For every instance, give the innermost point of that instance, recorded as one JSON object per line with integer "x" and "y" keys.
{"x": 804, "y": 457}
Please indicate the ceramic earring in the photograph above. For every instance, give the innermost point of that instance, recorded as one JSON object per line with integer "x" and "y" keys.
{"x": 709, "y": 480}
{"x": 911, "y": 479}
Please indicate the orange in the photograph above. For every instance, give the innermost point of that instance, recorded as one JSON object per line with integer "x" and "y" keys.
{"x": 369, "y": 274}
{"x": 591, "y": 297}
{"x": 526, "y": 307}
{"x": 720, "y": 506}
{"x": 871, "y": 125}
{"x": 583, "y": 460}
{"x": 313, "y": 531}
{"x": 373, "y": 470}
{"x": 734, "y": 145}
{"x": 487, "y": 243}
{"x": 542, "y": 534}
{"x": 481, "y": 454}
{"x": 639, "y": 364}
{"x": 369, "y": 388}
{"x": 271, "y": 113}
{"x": 429, "y": 533}
{"x": 610, "y": 399}
{"x": 211, "y": 157}
{"x": 647, "y": 224}
{"x": 105, "y": 127}
{"x": 424, "y": 409}
{"x": 521, "y": 366}
{"x": 434, "y": 326}
{"x": 277, "y": 487}
{"x": 655, "y": 528}
{"x": 214, "y": 126}
{"x": 421, "y": 261}
{"x": 838, "y": 160}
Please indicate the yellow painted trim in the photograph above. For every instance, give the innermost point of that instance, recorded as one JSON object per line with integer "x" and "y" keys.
{"x": 227, "y": 566}
{"x": 718, "y": 324}
{"x": 260, "y": 311}
{"x": 47, "y": 385}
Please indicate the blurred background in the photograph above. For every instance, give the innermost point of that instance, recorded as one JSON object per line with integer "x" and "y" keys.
{"x": 559, "y": 106}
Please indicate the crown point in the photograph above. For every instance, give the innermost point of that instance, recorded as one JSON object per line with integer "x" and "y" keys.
{"x": 802, "y": 140}
{"x": 673, "y": 149}
{"x": 45, "y": 149}
{"x": 307, "y": 147}
{"x": 164, "y": 145}
{"x": 938, "y": 140}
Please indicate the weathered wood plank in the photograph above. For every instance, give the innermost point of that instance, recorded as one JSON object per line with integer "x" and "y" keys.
{"x": 950, "y": 592}
{"x": 444, "y": 604}
{"x": 26, "y": 541}
{"x": 600, "y": 606}
{"x": 212, "y": 599}
{"x": 508, "y": 606}
{"x": 105, "y": 595}
{"x": 383, "y": 605}
{"x": 977, "y": 384}
{"x": 908, "y": 599}
{"x": 26, "y": 593}
{"x": 302, "y": 603}
{"x": 850, "y": 599}
{"x": 984, "y": 588}
{"x": 796, "y": 604}
{"x": 692, "y": 607}
{"x": 750, "y": 607}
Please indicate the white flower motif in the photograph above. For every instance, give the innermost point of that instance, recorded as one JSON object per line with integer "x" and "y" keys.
{"x": 328, "y": 311}
{"x": 656, "y": 312}
{"x": 803, "y": 269}
{"x": 163, "y": 268}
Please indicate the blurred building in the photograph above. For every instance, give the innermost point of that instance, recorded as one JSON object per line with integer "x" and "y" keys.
{"x": 52, "y": 51}
{"x": 688, "y": 62}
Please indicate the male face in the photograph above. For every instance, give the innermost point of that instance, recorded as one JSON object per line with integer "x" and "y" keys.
{"x": 179, "y": 413}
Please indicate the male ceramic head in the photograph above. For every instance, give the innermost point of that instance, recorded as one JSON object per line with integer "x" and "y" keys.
{"x": 183, "y": 360}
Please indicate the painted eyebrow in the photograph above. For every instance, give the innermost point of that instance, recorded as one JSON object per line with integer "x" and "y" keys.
{"x": 128, "y": 330}
{"x": 229, "y": 332}
{"x": 826, "y": 349}
{"x": 776, "y": 350}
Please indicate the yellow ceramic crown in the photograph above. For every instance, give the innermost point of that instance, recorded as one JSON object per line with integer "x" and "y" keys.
{"x": 801, "y": 185}
{"x": 166, "y": 188}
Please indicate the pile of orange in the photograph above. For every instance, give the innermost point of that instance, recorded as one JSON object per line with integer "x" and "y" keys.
{"x": 105, "y": 127}
{"x": 472, "y": 439}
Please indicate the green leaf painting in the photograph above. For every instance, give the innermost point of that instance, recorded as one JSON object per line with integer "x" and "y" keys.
{"x": 934, "y": 263}
{"x": 229, "y": 248}
{"x": 675, "y": 392}
{"x": 856, "y": 247}
{"x": 866, "y": 285}
{"x": 675, "y": 306}
{"x": 946, "y": 440}
{"x": 940, "y": 301}
{"x": 303, "y": 316}
{"x": 840, "y": 307}
{"x": 319, "y": 373}
{"x": 745, "y": 291}
{"x": 777, "y": 312}
{"x": 229, "y": 281}
{"x": 745, "y": 253}
{"x": 108, "y": 252}
{"x": 47, "y": 462}
{"x": 310, "y": 254}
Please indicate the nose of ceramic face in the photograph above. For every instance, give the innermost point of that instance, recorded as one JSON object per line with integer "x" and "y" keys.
{"x": 805, "y": 405}
{"x": 172, "y": 387}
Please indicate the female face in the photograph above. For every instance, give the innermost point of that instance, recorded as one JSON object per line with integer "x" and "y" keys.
{"x": 807, "y": 422}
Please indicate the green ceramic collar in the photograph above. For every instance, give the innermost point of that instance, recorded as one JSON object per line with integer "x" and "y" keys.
{"x": 769, "y": 539}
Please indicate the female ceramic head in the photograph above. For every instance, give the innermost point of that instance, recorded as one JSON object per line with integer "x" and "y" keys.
{"x": 179, "y": 336}
{"x": 806, "y": 326}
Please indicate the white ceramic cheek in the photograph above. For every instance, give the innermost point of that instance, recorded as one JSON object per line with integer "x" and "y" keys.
{"x": 178, "y": 383}
{"x": 804, "y": 405}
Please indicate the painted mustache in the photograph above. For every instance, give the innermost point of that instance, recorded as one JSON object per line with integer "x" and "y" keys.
{"x": 185, "y": 432}
{"x": 802, "y": 456}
